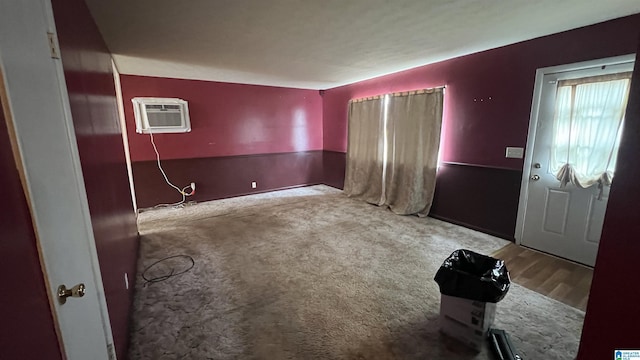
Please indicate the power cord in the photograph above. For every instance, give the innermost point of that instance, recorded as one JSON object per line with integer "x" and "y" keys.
{"x": 166, "y": 179}
{"x": 171, "y": 274}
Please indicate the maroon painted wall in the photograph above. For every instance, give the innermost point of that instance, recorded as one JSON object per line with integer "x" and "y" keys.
{"x": 89, "y": 78}
{"x": 226, "y": 176}
{"x": 487, "y": 108}
{"x": 27, "y": 330}
{"x": 227, "y": 119}
{"x": 240, "y": 133}
{"x": 487, "y": 209}
{"x": 333, "y": 167}
{"x": 613, "y": 313}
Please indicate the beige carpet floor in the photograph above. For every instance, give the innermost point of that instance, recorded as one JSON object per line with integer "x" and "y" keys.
{"x": 311, "y": 274}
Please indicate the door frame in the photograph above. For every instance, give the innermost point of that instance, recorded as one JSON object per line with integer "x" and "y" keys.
{"x": 533, "y": 125}
{"x": 38, "y": 150}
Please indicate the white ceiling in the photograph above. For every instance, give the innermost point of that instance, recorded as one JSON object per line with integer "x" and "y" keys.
{"x": 320, "y": 44}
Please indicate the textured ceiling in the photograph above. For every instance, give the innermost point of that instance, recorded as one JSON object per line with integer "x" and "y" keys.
{"x": 320, "y": 44}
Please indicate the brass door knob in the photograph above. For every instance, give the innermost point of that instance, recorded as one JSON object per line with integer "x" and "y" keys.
{"x": 64, "y": 293}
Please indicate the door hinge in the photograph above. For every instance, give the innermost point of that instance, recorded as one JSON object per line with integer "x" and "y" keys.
{"x": 112, "y": 351}
{"x": 53, "y": 45}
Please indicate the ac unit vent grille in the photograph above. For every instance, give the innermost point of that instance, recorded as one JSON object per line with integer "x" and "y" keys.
{"x": 163, "y": 119}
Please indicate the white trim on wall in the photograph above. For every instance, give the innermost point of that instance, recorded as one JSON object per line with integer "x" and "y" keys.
{"x": 125, "y": 135}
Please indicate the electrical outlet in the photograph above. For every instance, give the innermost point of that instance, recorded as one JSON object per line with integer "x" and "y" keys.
{"x": 254, "y": 184}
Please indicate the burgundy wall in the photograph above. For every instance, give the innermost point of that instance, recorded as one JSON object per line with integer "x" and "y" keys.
{"x": 487, "y": 107}
{"x": 613, "y": 313}
{"x": 333, "y": 167}
{"x": 240, "y": 133}
{"x": 227, "y": 119}
{"x": 89, "y": 78}
{"x": 226, "y": 176}
{"x": 27, "y": 330}
{"x": 487, "y": 205}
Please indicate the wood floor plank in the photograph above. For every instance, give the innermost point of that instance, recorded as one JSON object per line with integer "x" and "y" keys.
{"x": 558, "y": 277}
{"x": 560, "y": 291}
{"x": 554, "y": 277}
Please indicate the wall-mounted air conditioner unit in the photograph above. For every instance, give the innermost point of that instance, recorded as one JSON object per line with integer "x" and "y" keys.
{"x": 161, "y": 115}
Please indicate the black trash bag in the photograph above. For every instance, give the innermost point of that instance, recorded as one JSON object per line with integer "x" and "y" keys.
{"x": 473, "y": 276}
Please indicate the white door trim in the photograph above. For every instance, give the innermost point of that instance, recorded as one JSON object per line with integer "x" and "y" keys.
{"x": 82, "y": 191}
{"x": 533, "y": 125}
{"x": 38, "y": 101}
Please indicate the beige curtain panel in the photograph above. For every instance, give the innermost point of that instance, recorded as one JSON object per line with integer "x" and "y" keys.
{"x": 392, "y": 152}
{"x": 365, "y": 150}
{"x": 413, "y": 124}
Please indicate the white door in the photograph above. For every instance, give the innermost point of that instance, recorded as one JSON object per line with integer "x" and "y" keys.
{"x": 562, "y": 220}
{"x": 34, "y": 93}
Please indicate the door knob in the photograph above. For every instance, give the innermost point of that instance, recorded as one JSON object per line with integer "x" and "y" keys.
{"x": 64, "y": 293}
{"x": 536, "y": 165}
{"x": 535, "y": 177}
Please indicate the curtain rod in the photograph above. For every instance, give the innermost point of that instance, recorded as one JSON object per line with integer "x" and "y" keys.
{"x": 598, "y": 78}
{"x": 400, "y": 93}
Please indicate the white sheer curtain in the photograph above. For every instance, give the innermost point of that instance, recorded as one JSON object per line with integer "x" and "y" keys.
{"x": 588, "y": 120}
{"x": 365, "y": 150}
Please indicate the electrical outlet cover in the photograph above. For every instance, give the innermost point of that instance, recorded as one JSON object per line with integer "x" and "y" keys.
{"x": 514, "y": 152}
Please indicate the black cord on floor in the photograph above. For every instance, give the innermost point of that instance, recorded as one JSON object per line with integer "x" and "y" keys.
{"x": 152, "y": 280}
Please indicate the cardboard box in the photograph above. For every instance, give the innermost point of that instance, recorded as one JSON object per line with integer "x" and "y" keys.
{"x": 472, "y": 338}
{"x": 475, "y": 314}
{"x": 466, "y": 320}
